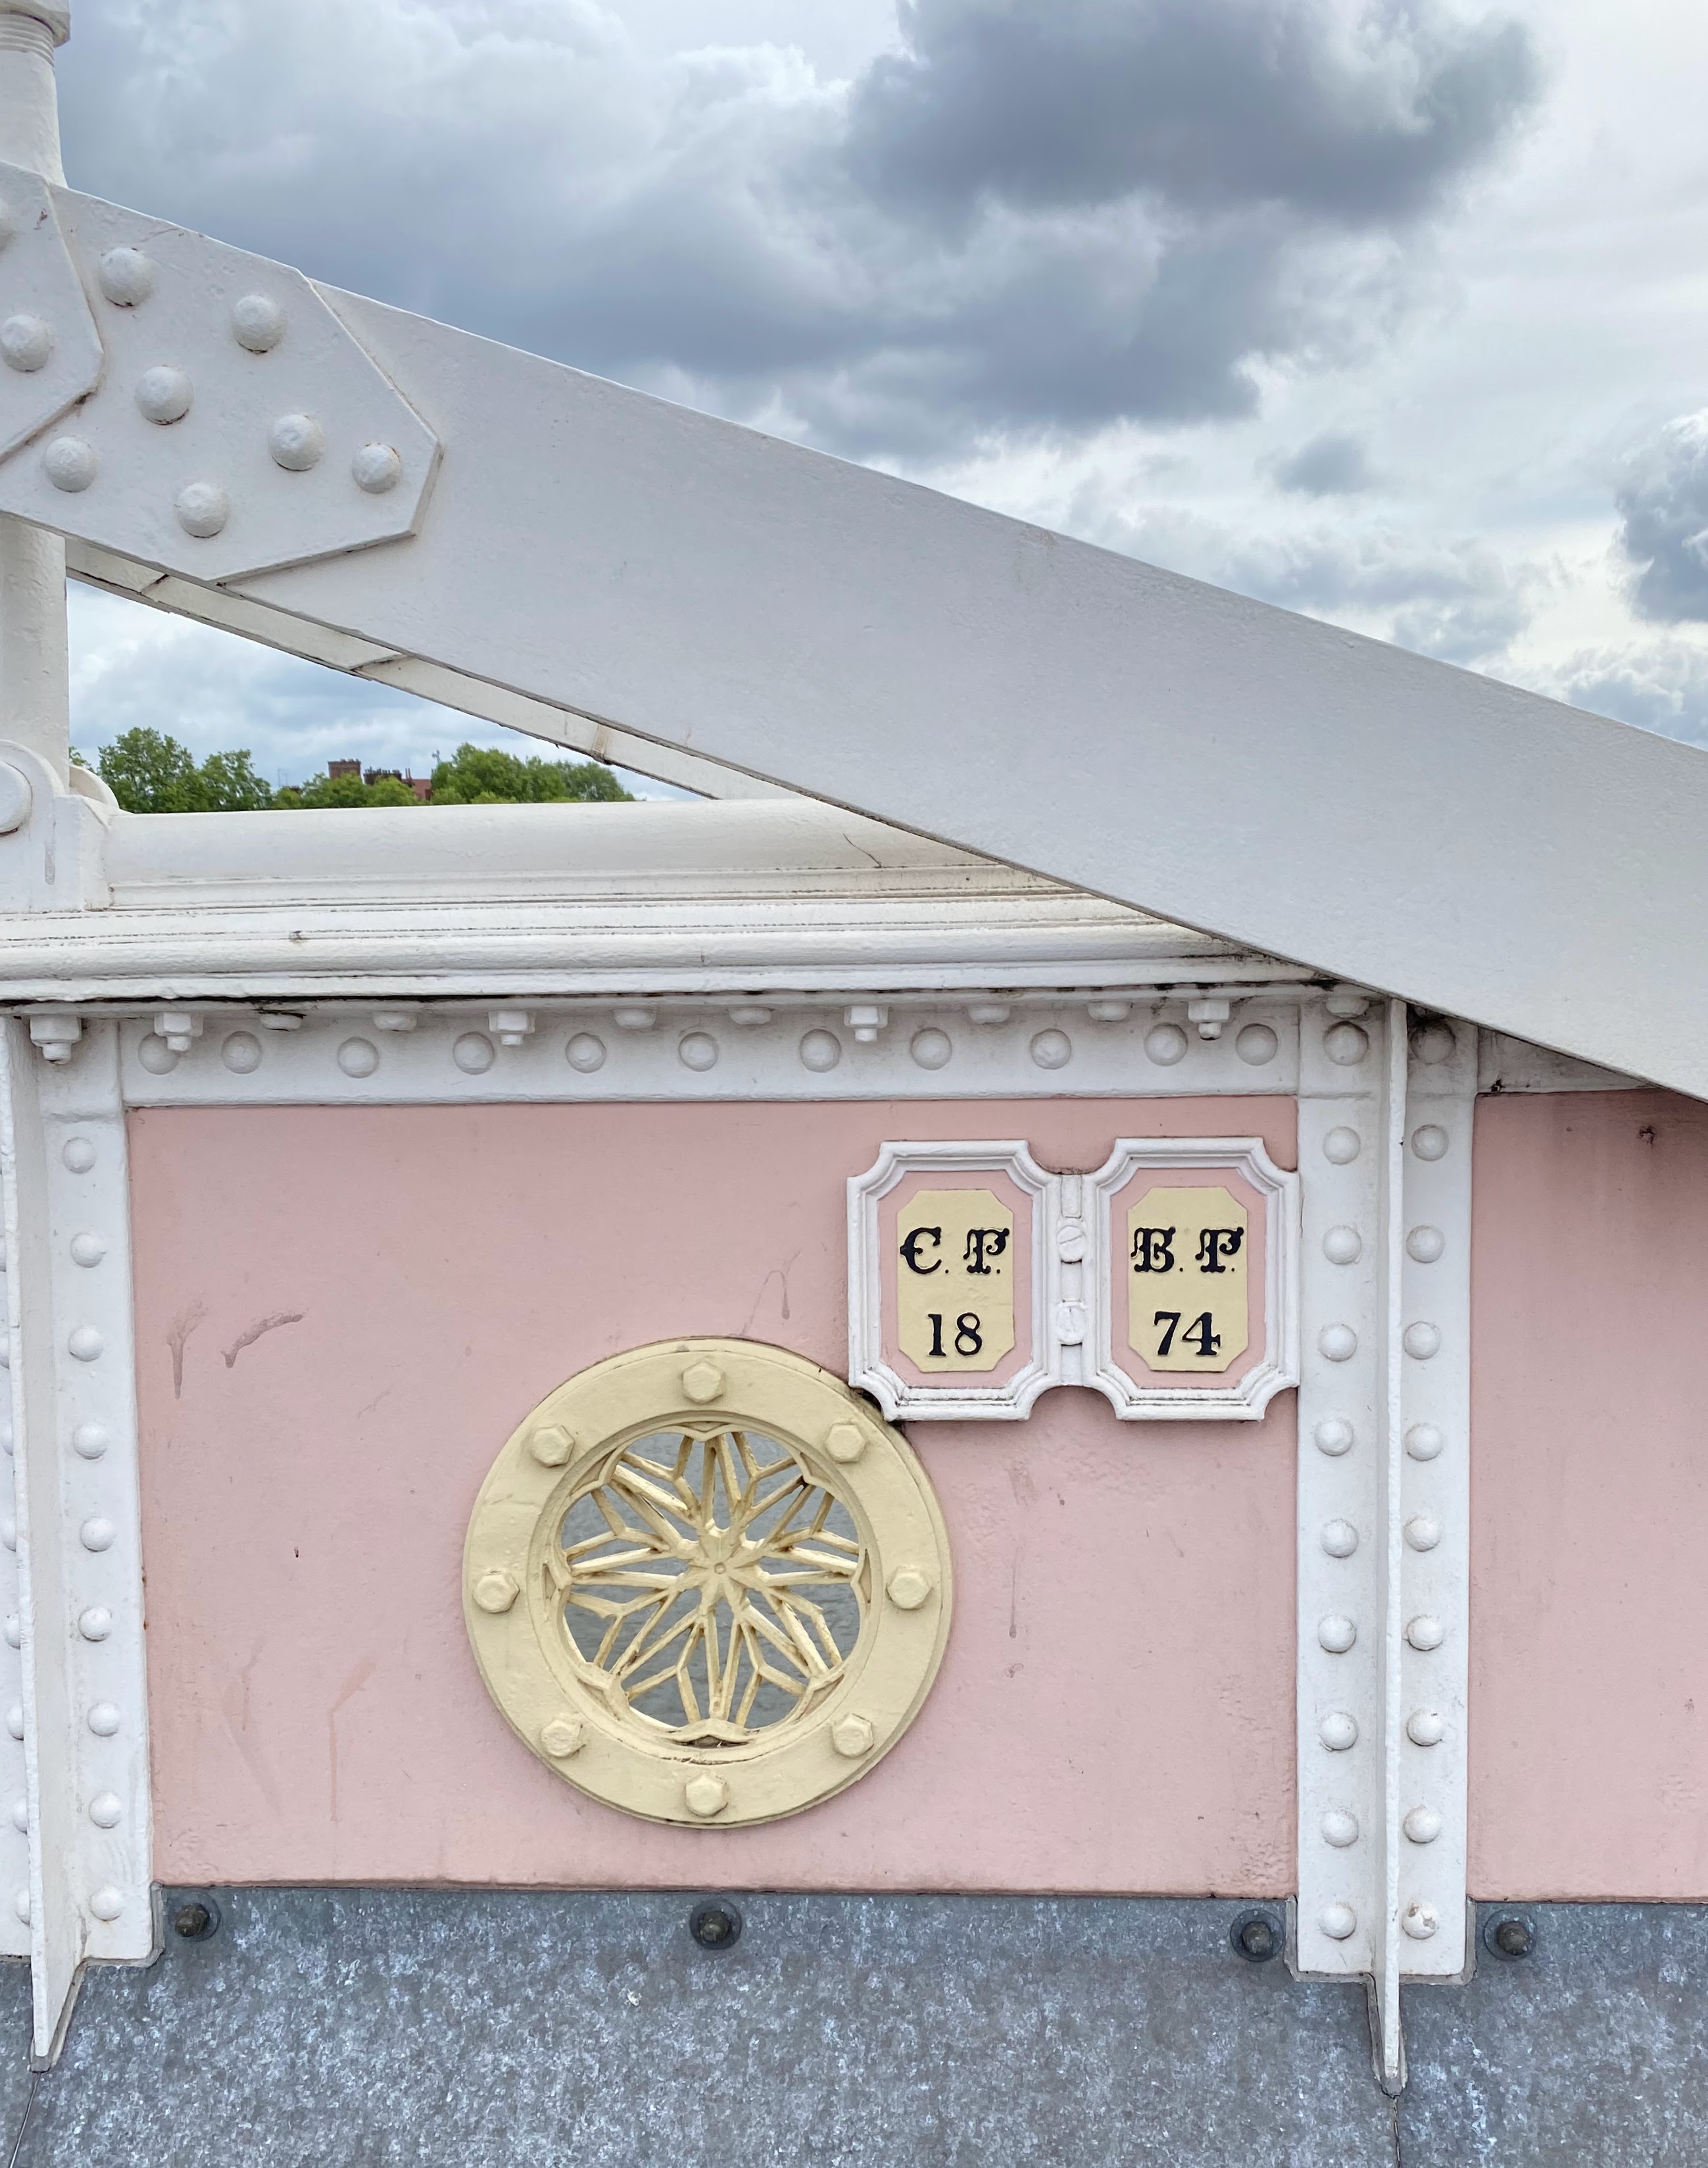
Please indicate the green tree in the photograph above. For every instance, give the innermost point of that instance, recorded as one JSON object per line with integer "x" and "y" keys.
{"x": 323, "y": 791}
{"x": 150, "y": 773}
{"x": 231, "y": 784}
{"x": 480, "y": 775}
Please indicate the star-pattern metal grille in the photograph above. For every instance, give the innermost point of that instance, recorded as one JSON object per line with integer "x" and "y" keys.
{"x": 711, "y": 1587}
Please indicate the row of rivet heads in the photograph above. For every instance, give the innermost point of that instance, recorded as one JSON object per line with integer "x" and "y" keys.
{"x": 820, "y": 1050}
{"x": 164, "y": 394}
{"x": 1339, "y": 1537}
{"x": 97, "y": 1534}
{"x": 9, "y": 1604}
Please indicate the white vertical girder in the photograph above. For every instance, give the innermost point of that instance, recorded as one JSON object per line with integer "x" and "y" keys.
{"x": 84, "y": 1712}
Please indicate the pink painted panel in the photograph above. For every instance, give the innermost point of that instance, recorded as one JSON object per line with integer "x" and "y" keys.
{"x": 1590, "y": 1498}
{"x": 342, "y": 1312}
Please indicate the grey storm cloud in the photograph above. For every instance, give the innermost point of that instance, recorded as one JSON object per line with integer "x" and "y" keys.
{"x": 1329, "y": 465}
{"x": 1663, "y": 507}
{"x": 1026, "y": 219}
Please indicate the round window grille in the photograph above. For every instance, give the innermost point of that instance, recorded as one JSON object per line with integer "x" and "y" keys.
{"x": 705, "y": 1583}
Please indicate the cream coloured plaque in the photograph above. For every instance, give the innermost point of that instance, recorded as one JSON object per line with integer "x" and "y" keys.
{"x": 954, "y": 1280}
{"x": 1187, "y": 1282}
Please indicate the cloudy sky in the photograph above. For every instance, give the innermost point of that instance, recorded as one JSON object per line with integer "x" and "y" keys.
{"x": 1395, "y": 311}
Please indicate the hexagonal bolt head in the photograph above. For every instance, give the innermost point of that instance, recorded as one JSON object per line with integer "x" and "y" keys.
{"x": 496, "y": 1592}
{"x": 551, "y": 1445}
{"x": 845, "y": 1442}
{"x": 563, "y": 1736}
{"x": 909, "y": 1587}
{"x": 703, "y": 1382}
{"x": 705, "y": 1796}
{"x": 852, "y": 1736}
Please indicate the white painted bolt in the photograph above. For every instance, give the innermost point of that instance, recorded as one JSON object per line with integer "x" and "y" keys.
{"x": 1342, "y": 1246}
{"x": 1339, "y": 1828}
{"x": 1334, "y": 1435}
{"x": 1423, "y": 1531}
{"x": 297, "y": 443}
{"x": 1341, "y": 1146}
{"x": 126, "y": 277}
{"x": 1209, "y": 1012}
{"x": 585, "y": 1052}
{"x": 106, "y": 1811}
{"x": 1424, "y": 1728}
{"x": 395, "y": 1019}
{"x": 16, "y": 797}
{"x": 202, "y": 508}
{"x": 1420, "y": 1921}
{"x": 474, "y": 1053}
{"x": 107, "y": 1903}
{"x": 1430, "y": 1141}
{"x": 633, "y": 1016}
{"x": 14, "y": 1630}
{"x": 1433, "y": 1043}
{"x": 257, "y": 322}
{"x": 1166, "y": 1043}
{"x": 26, "y": 344}
{"x": 242, "y": 1053}
{"x": 1336, "y": 1633}
{"x": 1339, "y": 1538}
{"x": 14, "y": 1719}
{"x": 88, "y": 1249}
{"x": 1425, "y": 1632}
{"x": 1424, "y": 1441}
{"x": 1422, "y": 1825}
{"x": 1256, "y": 1045}
{"x": 359, "y": 1057}
{"x": 376, "y": 468}
{"x": 163, "y": 396}
{"x": 8, "y": 1533}
{"x": 1051, "y": 1050}
{"x": 1108, "y": 1011}
{"x": 1337, "y": 1921}
{"x": 698, "y": 1050}
{"x": 1337, "y": 1343}
{"x": 71, "y": 464}
{"x": 821, "y": 1051}
{"x": 1338, "y": 1731}
{"x": 749, "y": 1015}
{"x": 78, "y": 1153}
{"x": 932, "y": 1048}
{"x": 1070, "y": 1242}
{"x": 1345, "y": 1045}
{"x": 1422, "y": 1340}
{"x": 20, "y": 1904}
{"x": 85, "y": 1342}
{"x": 97, "y": 1534}
{"x": 1424, "y": 1245}
{"x": 988, "y": 1012}
{"x": 91, "y": 1440}
{"x": 20, "y": 1815}
{"x": 95, "y": 1623}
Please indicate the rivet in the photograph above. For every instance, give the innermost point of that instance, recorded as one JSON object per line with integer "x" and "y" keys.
{"x": 551, "y": 1445}
{"x": 496, "y": 1591}
{"x": 1509, "y": 1938}
{"x": 359, "y": 1057}
{"x": 164, "y": 395}
{"x": 702, "y": 1382}
{"x": 1337, "y": 1343}
{"x": 474, "y": 1053}
{"x": 1420, "y": 1921}
{"x": 1256, "y": 1936}
{"x": 399, "y": 1019}
{"x": 1422, "y": 1825}
{"x": 852, "y": 1736}
{"x": 585, "y": 1052}
{"x": 14, "y": 1630}
{"x": 1424, "y": 1441}
{"x": 748, "y": 1014}
{"x": 1341, "y": 1146}
{"x": 106, "y": 1811}
{"x": 821, "y": 1051}
{"x": 705, "y": 1796}
{"x": 95, "y": 1623}
{"x": 845, "y": 1442}
{"x": 1424, "y": 1728}
{"x": 988, "y": 1012}
{"x": 563, "y": 1736}
{"x": 14, "y": 1719}
{"x": 88, "y": 1249}
{"x": 1422, "y": 1340}
{"x": 908, "y": 1586}
{"x": 1108, "y": 1011}
{"x": 1339, "y": 1828}
{"x": 20, "y": 1815}
{"x": 297, "y": 443}
{"x": 634, "y": 1016}
{"x": 26, "y": 344}
{"x": 1256, "y": 1045}
{"x": 1338, "y": 1731}
{"x": 932, "y": 1048}
{"x": 85, "y": 1342}
{"x": 71, "y": 464}
{"x": 8, "y": 1533}
{"x": 1433, "y": 1043}
{"x": 103, "y": 1720}
{"x": 1430, "y": 1141}
{"x": 1334, "y": 1435}
{"x": 202, "y": 508}
{"x": 1339, "y": 1538}
{"x": 78, "y": 1153}
{"x": 91, "y": 1440}
{"x": 698, "y": 1050}
{"x": 376, "y": 468}
{"x": 1425, "y": 1632}
{"x": 97, "y": 1534}
{"x": 257, "y": 322}
{"x": 1336, "y": 1633}
{"x": 1070, "y": 1242}
{"x": 197, "y": 1921}
{"x": 107, "y": 1902}
{"x": 715, "y": 1925}
{"x": 1051, "y": 1050}
{"x": 1166, "y": 1043}
{"x": 1425, "y": 1245}
{"x": 1337, "y": 1921}
{"x": 1423, "y": 1531}
{"x": 1342, "y": 1246}
{"x": 126, "y": 277}
{"x": 20, "y": 1905}
{"x": 1345, "y": 1045}
{"x": 242, "y": 1053}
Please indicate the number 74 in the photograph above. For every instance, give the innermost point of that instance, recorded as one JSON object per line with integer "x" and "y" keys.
{"x": 1207, "y": 1343}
